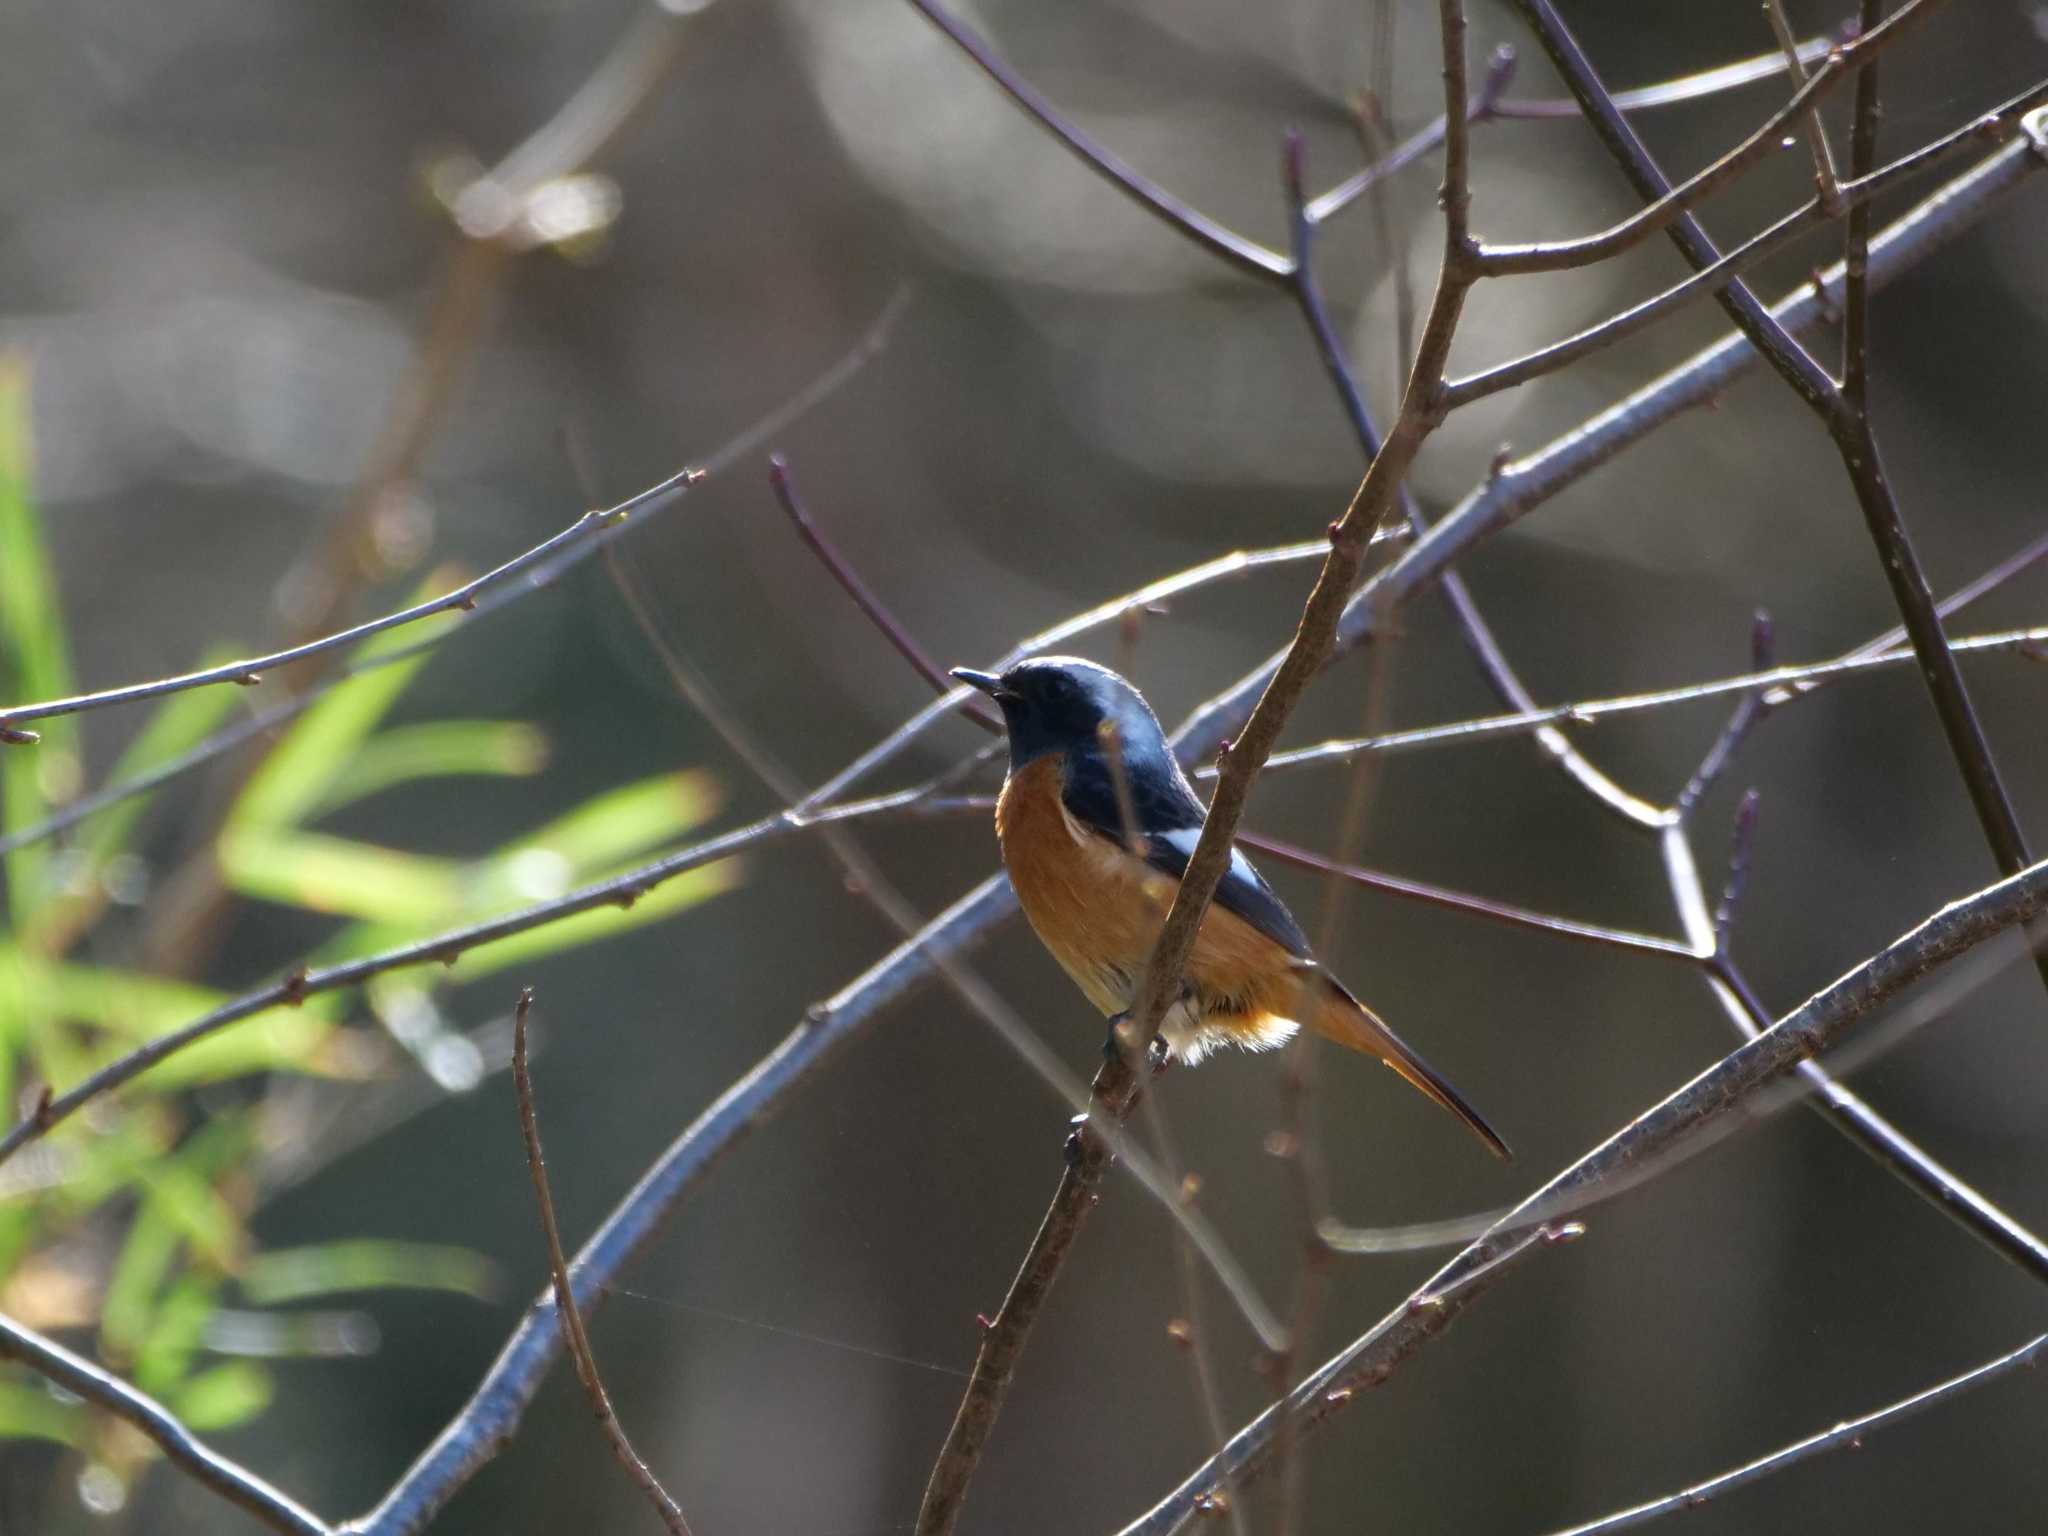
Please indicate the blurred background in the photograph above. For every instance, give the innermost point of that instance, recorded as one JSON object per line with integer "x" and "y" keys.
{"x": 271, "y": 389}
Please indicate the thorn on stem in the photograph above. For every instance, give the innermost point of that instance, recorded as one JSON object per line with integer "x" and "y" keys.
{"x": 15, "y": 736}
{"x": 295, "y": 987}
{"x": 40, "y": 1115}
{"x": 248, "y": 680}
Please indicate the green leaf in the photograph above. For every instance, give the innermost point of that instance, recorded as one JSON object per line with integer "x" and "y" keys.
{"x": 147, "y": 1253}
{"x": 439, "y": 749}
{"x": 29, "y": 1019}
{"x": 366, "y": 1264}
{"x": 175, "y": 1334}
{"x": 180, "y": 1205}
{"x": 318, "y": 873}
{"x": 182, "y": 1188}
{"x": 617, "y": 824}
{"x": 34, "y": 658}
{"x": 302, "y": 768}
{"x": 29, "y": 1412}
{"x": 223, "y": 1397}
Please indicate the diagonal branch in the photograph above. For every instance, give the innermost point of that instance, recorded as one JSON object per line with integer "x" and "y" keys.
{"x": 1848, "y": 424}
{"x": 1847, "y": 1434}
{"x": 498, "y": 1401}
{"x": 1679, "y": 1121}
{"x": 1671, "y": 207}
{"x": 203, "y": 1465}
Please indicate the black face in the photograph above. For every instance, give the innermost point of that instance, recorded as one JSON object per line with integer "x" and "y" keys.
{"x": 1059, "y": 704}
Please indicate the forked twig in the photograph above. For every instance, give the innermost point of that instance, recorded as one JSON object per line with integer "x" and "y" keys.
{"x": 1847, "y": 424}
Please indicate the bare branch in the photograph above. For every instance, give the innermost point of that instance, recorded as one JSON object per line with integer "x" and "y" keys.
{"x": 784, "y": 486}
{"x": 249, "y": 671}
{"x": 1849, "y": 1433}
{"x": 1856, "y": 245}
{"x": 1788, "y": 681}
{"x": 1489, "y": 105}
{"x": 1247, "y": 256}
{"x": 570, "y": 1319}
{"x": 442, "y": 948}
{"x": 647, "y": 504}
{"x": 1827, "y": 184}
{"x": 1681, "y": 1119}
{"x": 2001, "y": 122}
{"x": 204, "y": 1466}
{"x": 1476, "y": 906}
{"x": 1668, "y": 207}
{"x": 1849, "y": 427}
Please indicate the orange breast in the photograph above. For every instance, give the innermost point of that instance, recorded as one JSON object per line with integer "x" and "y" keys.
{"x": 1099, "y": 910}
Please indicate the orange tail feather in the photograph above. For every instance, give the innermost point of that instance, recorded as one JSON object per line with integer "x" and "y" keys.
{"x": 1344, "y": 1019}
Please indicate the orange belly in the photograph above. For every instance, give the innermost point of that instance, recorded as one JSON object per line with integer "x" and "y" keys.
{"x": 1099, "y": 909}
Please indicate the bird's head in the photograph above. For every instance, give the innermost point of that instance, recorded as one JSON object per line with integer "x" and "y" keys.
{"x": 1062, "y": 704}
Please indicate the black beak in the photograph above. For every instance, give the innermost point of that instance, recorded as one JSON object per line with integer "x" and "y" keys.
{"x": 987, "y": 682}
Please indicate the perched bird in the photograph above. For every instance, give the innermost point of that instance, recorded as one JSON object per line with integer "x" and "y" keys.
{"x": 1096, "y": 863}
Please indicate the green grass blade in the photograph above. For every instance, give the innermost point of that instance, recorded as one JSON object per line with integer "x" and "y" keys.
{"x": 366, "y": 1264}
{"x": 438, "y": 749}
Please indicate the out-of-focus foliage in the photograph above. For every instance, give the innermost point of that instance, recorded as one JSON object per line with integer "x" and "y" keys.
{"x": 131, "y": 1224}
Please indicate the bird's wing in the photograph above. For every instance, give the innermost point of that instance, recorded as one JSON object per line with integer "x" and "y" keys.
{"x": 1242, "y": 891}
{"x": 1166, "y": 818}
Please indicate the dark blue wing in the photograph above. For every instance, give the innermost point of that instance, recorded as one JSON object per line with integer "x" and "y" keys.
{"x": 1242, "y": 890}
{"x": 1161, "y": 799}
{"x": 1167, "y": 818}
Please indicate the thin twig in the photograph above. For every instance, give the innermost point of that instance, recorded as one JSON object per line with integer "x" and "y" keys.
{"x": 1489, "y": 105}
{"x": 250, "y": 670}
{"x": 1669, "y": 208}
{"x": 197, "y": 1461}
{"x": 1680, "y": 1120}
{"x": 499, "y": 1399}
{"x": 1513, "y": 489}
{"x": 2002, "y": 122}
{"x": 807, "y": 529}
{"x": 1246, "y": 255}
{"x": 1848, "y": 1434}
{"x": 443, "y": 948}
{"x": 1506, "y": 913}
{"x": 646, "y": 505}
{"x": 1849, "y": 427}
{"x": 1802, "y": 677}
{"x": 1827, "y": 184}
{"x": 1863, "y": 123}
{"x": 567, "y": 1316}
{"x": 1315, "y": 640}
{"x": 1195, "y": 1234}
